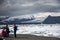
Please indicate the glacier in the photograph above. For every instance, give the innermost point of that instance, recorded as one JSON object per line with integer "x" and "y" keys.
{"x": 30, "y": 18}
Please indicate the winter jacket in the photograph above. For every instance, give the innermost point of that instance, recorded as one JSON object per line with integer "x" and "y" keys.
{"x": 3, "y": 33}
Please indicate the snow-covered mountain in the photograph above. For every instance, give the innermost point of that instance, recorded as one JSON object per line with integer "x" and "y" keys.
{"x": 52, "y": 20}
{"x": 31, "y": 18}
{"x": 3, "y": 17}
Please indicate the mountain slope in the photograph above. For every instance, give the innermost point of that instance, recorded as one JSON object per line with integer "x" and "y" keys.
{"x": 32, "y": 18}
{"x": 52, "y": 20}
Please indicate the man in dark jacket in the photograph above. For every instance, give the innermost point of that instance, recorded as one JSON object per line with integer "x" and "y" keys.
{"x": 7, "y": 30}
{"x": 15, "y": 29}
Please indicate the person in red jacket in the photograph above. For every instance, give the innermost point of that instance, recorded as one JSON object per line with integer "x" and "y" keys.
{"x": 3, "y": 32}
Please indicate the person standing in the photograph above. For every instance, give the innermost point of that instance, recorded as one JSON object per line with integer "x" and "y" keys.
{"x": 3, "y": 33}
{"x": 7, "y": 30}
{"x": 15, "y": 30}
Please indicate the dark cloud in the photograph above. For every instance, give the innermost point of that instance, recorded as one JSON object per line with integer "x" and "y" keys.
{"x": 21, "y": 7}
{"x": 1, "y": 1}
{"x": 58, "y": 1}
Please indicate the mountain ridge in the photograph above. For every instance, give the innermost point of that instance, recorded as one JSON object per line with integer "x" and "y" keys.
{"x": 32, "y": 19}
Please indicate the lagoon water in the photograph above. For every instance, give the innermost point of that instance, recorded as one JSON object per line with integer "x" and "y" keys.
{"x": 50, "y": 30}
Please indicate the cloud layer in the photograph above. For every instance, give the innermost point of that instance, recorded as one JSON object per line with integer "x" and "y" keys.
{"x": 21, "y": 7}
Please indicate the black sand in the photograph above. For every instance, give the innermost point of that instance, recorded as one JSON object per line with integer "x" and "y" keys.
{"x": 30, "y": 37}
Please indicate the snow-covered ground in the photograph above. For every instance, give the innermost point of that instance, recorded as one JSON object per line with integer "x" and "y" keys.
{"x": 50, "y": 30}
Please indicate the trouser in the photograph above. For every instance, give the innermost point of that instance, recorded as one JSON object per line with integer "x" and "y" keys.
{"x": 7, "y": 35}
{"x": 1, "y": 38}
{"x": 14, "y": 33}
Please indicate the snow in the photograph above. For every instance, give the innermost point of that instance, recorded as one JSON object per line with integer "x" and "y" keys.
{"x": 50, "y": 30}
{"x": 39, "y": 17}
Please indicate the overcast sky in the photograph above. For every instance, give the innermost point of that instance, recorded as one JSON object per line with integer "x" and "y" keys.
{"x": 22, "y": 7}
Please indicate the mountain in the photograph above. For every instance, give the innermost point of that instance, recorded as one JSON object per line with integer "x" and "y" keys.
{"x": 32, "y": 18}
{"x": 3, "y": 17}
{"x": 52, "y": 20}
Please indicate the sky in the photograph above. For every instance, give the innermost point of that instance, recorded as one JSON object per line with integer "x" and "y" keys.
{"x": 23, "y": 7}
